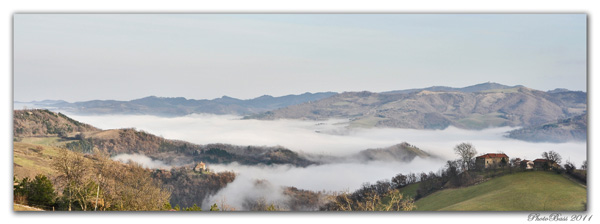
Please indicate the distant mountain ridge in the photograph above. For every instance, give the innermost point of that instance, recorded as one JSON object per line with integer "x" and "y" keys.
{"x": 469, "y": 89}
{"x": 475, "y": 107}
{"x": 179, "y": 106}
{"x": 478, "y": 106}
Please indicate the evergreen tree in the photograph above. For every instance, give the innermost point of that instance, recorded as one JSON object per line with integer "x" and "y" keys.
{"x": 194, "y": 208}
{"x": 41, "y": 191}
{"x": 167, "y": 206}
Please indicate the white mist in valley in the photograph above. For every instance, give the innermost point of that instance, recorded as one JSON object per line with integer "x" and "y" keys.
{"x": 335, "y": 177}
{"x": 330, "y": 138}
{"x": 142, "y": 160}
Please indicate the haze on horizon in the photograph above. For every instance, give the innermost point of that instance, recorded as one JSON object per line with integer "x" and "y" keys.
{"x": 80, "y": 57}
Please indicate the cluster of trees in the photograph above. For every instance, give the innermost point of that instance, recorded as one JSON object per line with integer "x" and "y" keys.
{"x": 456, "y": 173}
{"x": 130, "y": 141}
{"x": 38, "y": 192}
{"x": 260, "y": 204}
{"x": 96, "y": 182}
{"x": 304, "y": 200}
{"x": 381, "y": 196}
{"x": 92, "y": 182}
{"x": 571, "y": 170}
{"x": 82, "y": 145}
{"x": 189, "y": 188}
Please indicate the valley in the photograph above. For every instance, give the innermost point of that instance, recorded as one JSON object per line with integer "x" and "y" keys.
{"x": 264, "y": 172}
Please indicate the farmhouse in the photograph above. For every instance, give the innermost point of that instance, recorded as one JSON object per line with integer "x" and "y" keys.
{"x": 200, "y": 167}
{"x": 544, "y": 164}
{"x": 491, "y": 160}
{"x": 527, "y": 164}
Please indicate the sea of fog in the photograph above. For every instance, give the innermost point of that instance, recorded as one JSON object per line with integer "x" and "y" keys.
{"x": 321, "y": 137}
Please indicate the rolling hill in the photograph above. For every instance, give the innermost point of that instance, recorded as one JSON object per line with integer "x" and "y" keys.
{"x": 564, "y": 130}
{"x": 523, "y": 191}
{"x": 86, "y": 138}
{"x": 28, "y": 123}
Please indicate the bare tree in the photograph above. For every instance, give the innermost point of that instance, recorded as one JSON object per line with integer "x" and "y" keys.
{"x": 466, "y": 151}
{"x": 72, "y": 174}
{"x": 399, "y": 181}
{"x": 552, "y": 156}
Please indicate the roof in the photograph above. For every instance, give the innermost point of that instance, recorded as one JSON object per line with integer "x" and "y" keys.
{"x": 541, "y": 160}
{"x": 493, "y": 155}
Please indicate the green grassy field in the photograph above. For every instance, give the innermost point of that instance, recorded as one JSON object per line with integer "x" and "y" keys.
{"x": 526, "y": 191}
{"x": 31, "y": 159}
{"x": 410, "y": 190}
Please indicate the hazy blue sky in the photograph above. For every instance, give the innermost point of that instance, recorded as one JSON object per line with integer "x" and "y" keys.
{"x": 78, "y": 57}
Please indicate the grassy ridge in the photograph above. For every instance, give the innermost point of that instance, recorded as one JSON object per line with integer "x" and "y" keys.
{"x": 526, "y": 191}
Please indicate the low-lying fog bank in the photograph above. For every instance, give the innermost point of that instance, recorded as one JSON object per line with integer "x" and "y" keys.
{"x": 330, "y": 137}
{"x": 142, "y": 160}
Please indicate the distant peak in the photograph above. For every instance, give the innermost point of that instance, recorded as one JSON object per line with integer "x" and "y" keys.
{"x": 160, "y": 98}
{"x": 227, "y": 98}
{"x": 264, "y": 96}
{"x": 558, "y": 90}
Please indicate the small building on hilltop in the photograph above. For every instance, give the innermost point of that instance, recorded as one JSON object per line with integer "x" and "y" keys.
{"x": 200, "y": 167}
{"x": 527, "y": 164}
{"x": 491, "y": 160}
{"x": 544, "y": 164}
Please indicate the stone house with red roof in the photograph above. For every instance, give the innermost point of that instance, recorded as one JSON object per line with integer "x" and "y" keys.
{"x": 491, "y": 161}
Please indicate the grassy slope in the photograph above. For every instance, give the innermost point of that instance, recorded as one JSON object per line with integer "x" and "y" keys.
{"x": 31, "y": 159}
{"x": 527, "y": 191}
{"x": 410, "y": 190}
{"x": 25, "y": 208}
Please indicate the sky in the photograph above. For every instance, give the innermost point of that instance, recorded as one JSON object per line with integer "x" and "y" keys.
{"x": 80, "y": 57}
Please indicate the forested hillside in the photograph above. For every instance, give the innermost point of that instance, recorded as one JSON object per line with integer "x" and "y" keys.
{"x": 29, "y": 123}
{"x": 84, "y": 138}
{"x": 72, "y": 181}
